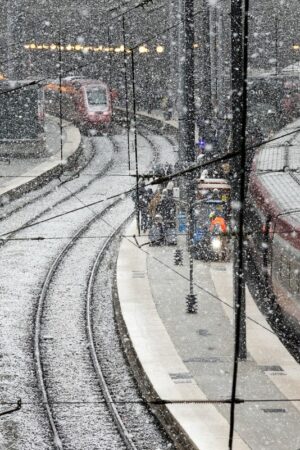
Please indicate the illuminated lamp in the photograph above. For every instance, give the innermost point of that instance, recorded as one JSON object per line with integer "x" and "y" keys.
{"x": 160, "y": 49}
{"x": 143, "y": 49}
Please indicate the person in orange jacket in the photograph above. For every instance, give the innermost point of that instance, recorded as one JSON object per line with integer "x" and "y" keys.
{"x": 217, "y": 222}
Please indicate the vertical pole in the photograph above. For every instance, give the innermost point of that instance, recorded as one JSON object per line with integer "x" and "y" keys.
{"x": 126, "y": 90}
{"x": 9, "y": 40}
{"x": 135, "y": 143}
{"x": 206, "y": 66}
{"x": 276, "y": 44}
{"x": 109, "y": 57}
{"x": 187, "y": 126}
{"x": 238, "y": 142}
{"x": 60, "y": 93}
{"x": 239, "y": 42}
{"x": 215, "y": 18}
{"x": 172, "y": 61}
{"x": 186, "y": 91}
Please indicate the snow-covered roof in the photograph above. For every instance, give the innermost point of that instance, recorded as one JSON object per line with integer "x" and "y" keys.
{"x": 277, "y": 167}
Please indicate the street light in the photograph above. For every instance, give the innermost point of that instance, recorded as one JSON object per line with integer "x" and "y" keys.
{"x": 143, "y": 49}
{"x": 160, "y": 49}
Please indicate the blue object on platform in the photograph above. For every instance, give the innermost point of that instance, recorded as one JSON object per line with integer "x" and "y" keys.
{"x": 198, "y": 235}
{"x": 202, "y": 144}
{"x": 181, "y": 222}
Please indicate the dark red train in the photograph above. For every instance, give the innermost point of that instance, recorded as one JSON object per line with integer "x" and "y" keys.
{"x": 274, "y": 222}
{"x": 87, "y": 103}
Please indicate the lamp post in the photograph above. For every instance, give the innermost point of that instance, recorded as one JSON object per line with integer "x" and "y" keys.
{"x": 60, "y": 90}
{"x": 126, "y": 89}
{"x": 9, "y": 39}
{"x": 135, "y": 141}
{"x": 187, "y": 126}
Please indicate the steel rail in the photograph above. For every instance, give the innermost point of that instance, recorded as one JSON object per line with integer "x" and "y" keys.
{"x": 37, "y": 329}
{"x": 105, "y": 390}
{"x": 102, "y": 172}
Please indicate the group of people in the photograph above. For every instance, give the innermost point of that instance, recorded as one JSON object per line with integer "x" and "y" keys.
{"x": 157, "y": 211}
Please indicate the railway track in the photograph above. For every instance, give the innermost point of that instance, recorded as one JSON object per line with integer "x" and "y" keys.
{"x": 56, "y": 418}
{"x": 86, "y": 239}
{"x": 103, "y": 168}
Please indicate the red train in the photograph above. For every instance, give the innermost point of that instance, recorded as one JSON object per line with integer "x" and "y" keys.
{"x": 87, "y": 103}
{"x": 274, "y": 222}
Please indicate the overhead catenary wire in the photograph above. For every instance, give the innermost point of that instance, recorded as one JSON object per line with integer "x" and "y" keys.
{"x": 135, "y": 242}
{"x": 41, "y": 80}
{"x": 156, "y": 181}
{"x": 162, "y": 401}
{"x": 234, "y": 400}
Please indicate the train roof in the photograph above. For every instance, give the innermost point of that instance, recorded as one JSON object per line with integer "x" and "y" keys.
{"x": 292, "y": 69}
{"x": 83, "y": 81}
{"x": 277, "y": 170}
{"x": 78, "y": 81}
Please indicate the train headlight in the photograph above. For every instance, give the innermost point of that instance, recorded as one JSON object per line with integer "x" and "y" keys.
{"x": 216, "y": 244}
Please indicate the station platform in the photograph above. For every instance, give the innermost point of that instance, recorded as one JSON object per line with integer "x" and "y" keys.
{"x": 20, "y": 175}
{"x": 185, "y": 361}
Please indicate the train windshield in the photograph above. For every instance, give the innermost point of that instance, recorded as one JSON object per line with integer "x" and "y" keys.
{"x": 96, "y": 97}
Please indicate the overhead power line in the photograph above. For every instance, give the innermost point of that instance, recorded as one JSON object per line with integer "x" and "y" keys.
{"x": 159, "y": 180}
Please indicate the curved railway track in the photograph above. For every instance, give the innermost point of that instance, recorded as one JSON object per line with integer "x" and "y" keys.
{"x": 82, "y": 187}
{"x": 44, "y": 340}
{"x": 125, "y": 434}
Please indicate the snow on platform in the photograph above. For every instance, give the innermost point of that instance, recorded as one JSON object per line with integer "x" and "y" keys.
{"x": 23, "y": 174}
{"x": 205, "y": 427}
{"x": 190, "y": 356}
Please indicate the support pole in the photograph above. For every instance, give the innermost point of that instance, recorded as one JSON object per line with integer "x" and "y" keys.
{"x": 173, "y": 61}
{"x": 276, "y": 44}
{"x": 135, "y": 142}
{"x": 110, "y": 56}
{"x": 9, "y": 40}
{"x": 206, "y": 93}
{"x": 60, "y": 93}
{"x": 239, "y": 43}
{"x": 187, "y": 126}
{"x": 186, "y": 88}
{"x": 126, "y": 89}
{"x": 239, "y": 142}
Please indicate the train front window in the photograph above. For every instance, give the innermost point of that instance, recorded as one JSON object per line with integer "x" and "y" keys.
{"x": 96, "y": 97}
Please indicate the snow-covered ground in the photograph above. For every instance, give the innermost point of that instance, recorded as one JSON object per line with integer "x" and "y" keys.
{"x": 25, "y": 262}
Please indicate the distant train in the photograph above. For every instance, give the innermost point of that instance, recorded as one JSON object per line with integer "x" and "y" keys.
{"x": 87, "y": 103}
{"x": 273, "y": 222}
